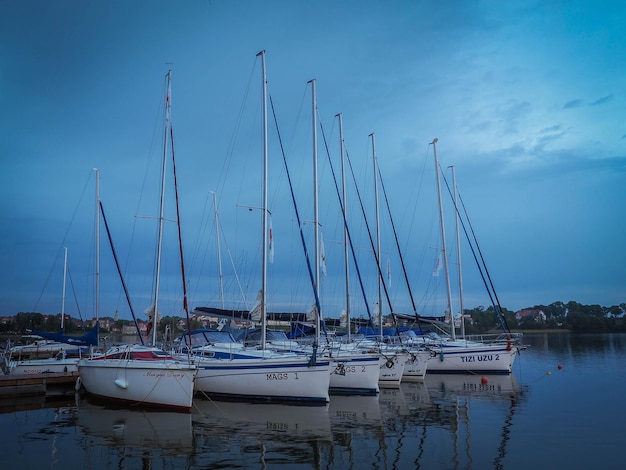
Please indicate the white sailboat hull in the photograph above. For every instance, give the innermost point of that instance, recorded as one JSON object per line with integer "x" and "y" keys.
{"x": 288, "y": 378}
{"x": 472, "y": 358}
{"x": 167, "y": 383}
{"x": 391, "y": 368}
{"x": 355, "y": 373}
{"x": 43, "y": 366}
{"x": 416, "y": 365}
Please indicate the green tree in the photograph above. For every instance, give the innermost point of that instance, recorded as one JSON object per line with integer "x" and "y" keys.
{"x": 28, "y": 321}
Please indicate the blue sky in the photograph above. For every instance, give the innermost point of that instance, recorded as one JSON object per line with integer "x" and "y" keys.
{"x": 526, "y": 98}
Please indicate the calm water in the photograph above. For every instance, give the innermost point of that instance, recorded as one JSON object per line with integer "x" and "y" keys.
{"x": 541, "y": 417}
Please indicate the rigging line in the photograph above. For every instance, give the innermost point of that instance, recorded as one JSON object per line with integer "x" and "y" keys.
{"x": 297, "y": 122}
{"x": 295, "y": 207}
{"x": 198, "y": 259}
{"x": 395, "y": 234}
{"x": 157, "y": 128}
{"x": 222, "y": 236}
{"x": 345, "y": 223}
{"x": 420, "y": 186}
{"x": 226, "y": 164}
{"x": 80, "y": 315}
{"x": 180, "y": 235}
{"x": 497, "y": 307}
{"x": 480, "y": 252}
{"x": 119, "y": 270}
{"x": 63, "y": 240}
{"x": 369, "y": 232}
{"x": 277, "y": 181}
{"x": 232, "y": 263}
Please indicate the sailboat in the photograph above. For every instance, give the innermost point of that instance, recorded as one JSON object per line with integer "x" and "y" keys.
{"x": 395, "y": 361}
{"x": 234, "y": 371}
{"x": 395, "y": 356}
{"x": 451, "y": 354}
{"x": 418, "y": 354}
{"x": 135, "y": 373}
{"x": 354, "y": 370}
{"x": 64, "y": 351}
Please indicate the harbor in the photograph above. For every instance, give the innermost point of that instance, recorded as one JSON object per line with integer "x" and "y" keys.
{"x": 447, "y": 422}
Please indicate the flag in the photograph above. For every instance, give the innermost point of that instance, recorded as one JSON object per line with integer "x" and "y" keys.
{"x": 388, "y": 271}
{"x": 271, "y": 242}
{"x": 322, "y": 256}
{"x": 437, "y": 266}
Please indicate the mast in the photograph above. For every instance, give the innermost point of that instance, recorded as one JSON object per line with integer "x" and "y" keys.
{"x": 178, "y": 224}
{"x": 219, "y": 254}
{"x": 458, "y": 249}
{"x": 63, "y": 298}
{"x": 316, "y": 211}
{"x": 443, "y": 240}
{"x": 97, "y": 230}
{"x": 345, "y": 227}
{"x": 380, "y": 294}
{"x": 265, "y": 172}
{"x": 161, "y": 209}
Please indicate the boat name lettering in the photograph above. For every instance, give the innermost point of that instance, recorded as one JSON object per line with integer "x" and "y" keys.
{"x": 276, "y": 426}
{"x": 481, "y": 358}
{"x": 162, "y": 373}
{"x": 273, "y": 376}
{"x": 479, "y": 387}
{"x": 151, "y": 373}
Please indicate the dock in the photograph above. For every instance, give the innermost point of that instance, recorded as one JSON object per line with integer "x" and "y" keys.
{"x": 47, "y": 385}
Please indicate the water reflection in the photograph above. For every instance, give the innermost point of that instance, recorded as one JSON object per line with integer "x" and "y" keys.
{"x": 478, "y": 386}
{"x": 266, "y": 420}
{"x": 574, "y": 350}
{"x": 17, "y": 403}
{"x": 447, "y": 421}
{"x": 413, "y": 426}
{"x": 235, "y": 434}
{"x": 170, "y": 432}
{"x": 349, "y": 412}
{"x": 457, "y": 398}
{"x": 525, "y": 420}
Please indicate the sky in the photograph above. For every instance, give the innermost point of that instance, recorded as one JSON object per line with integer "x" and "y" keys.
{"x": 526, "y": 100}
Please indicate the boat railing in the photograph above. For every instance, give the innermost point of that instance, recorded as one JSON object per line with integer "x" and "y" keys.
{"x": 496, "y": 338}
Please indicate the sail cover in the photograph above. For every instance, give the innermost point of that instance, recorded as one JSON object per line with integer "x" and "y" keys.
{"x": 88, "y": 339}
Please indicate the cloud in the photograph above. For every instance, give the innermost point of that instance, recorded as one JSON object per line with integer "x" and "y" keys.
{"x": 604, "y": 99}
{"x": 577, "y": 103}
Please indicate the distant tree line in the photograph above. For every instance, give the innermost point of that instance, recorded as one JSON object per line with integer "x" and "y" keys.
{"x": 572, "y": 316}
{"x": 22, "y": 322}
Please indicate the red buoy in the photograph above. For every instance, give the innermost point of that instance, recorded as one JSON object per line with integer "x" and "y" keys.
{"x": 559, "y": 367}
{"x": 483, "y": 380}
